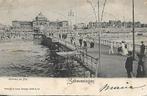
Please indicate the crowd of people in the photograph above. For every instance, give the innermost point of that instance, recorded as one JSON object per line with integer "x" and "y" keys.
{"x": 79, "y": 40}
{"x": 83, "y": 42}
{"x": 124, "y": 49}
{"x": 141, "y": 67}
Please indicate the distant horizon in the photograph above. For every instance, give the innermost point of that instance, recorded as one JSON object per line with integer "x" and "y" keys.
{"x": 69, "y": 21}
{"x": 24, "y": 10}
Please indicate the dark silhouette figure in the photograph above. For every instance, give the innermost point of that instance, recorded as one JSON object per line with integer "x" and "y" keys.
{"x": 126, "y": 46}
{"x": 80, "y": 41}
{"x": 129, "y": 64}
{"x": 85, "y": 43}
{"x": 71, "y": 40}
{"x": 119, "y": 50}
{"x": 60, "y": 36}
{"x": 142, "y": 48}
{"x": 91, "y": 44}
{"x": 140, "y": 69}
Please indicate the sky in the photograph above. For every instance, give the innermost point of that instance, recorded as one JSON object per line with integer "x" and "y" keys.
{"x": 27, "y": 10}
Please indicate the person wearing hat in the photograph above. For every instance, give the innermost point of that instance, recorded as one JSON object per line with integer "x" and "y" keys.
{"x": 129, "y": 65}
{"x": 142, "y": 48}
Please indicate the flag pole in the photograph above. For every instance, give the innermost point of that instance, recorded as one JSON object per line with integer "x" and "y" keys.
{"x": 133, "y": 28}
{"x": 98, "y": 66}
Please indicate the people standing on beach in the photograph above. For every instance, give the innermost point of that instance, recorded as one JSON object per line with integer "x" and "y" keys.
{"x": 60, "y": 36}
{"x": 142, "y": 49}
{"x": 80, "y": 42}
{"x": 74, "y": 41}
{"x": 140, "y": 69}
{"x": 129, "y": 65}
{"x": 85, "y": 43}
{"x": 71, "y": 39}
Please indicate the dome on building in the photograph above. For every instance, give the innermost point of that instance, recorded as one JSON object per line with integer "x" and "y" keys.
{"x": 40, "y": 16}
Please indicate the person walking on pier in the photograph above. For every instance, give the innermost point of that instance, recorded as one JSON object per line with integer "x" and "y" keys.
{"x": 124, "y": 49}
{"x": 140, "y": 69}
{"x": 92, "y": 44}
{"x": 129, "y": 65}
{"x": 71, "y": 39}
{"x": 119, "y": 50}
{"x": 111, "y": 50}
{"x": 142, "y": 49}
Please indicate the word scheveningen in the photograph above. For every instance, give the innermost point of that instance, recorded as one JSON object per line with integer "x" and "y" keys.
{"x": 75, "y": 80}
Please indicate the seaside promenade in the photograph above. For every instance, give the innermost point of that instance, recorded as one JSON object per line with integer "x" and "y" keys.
{"x": 112, "y": 65}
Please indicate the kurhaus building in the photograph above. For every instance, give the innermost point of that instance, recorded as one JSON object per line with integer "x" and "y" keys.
{"x": 40, "y": 23}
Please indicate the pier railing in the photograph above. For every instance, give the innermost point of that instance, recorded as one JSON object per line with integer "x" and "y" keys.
{"x": 87, "y": 60}
{"x": 83, "y": 57}
{"x": 117, "y": 44}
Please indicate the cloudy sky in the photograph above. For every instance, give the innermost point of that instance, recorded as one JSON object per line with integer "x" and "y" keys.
{"x": 26, "y": 10}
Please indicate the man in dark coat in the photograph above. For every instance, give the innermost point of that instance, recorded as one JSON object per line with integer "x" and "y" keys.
{"x": 140, "y": 69}
{"x": 129, "y": 64}
{"x": 80, "y": 41}
{"x": 85, "y": 43}
{"x": 142, "y": 49}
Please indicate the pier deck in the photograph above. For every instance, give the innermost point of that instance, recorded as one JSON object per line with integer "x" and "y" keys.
{"x": 112, "y": 65}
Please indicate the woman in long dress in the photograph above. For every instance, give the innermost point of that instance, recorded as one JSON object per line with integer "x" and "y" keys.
{"x": 124, "y": 49}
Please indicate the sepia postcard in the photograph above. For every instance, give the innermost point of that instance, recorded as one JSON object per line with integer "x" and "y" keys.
{"x": 73, "y": 47}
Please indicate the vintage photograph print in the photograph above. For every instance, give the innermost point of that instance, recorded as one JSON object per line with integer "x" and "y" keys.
{"x": 73, "y": 38}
